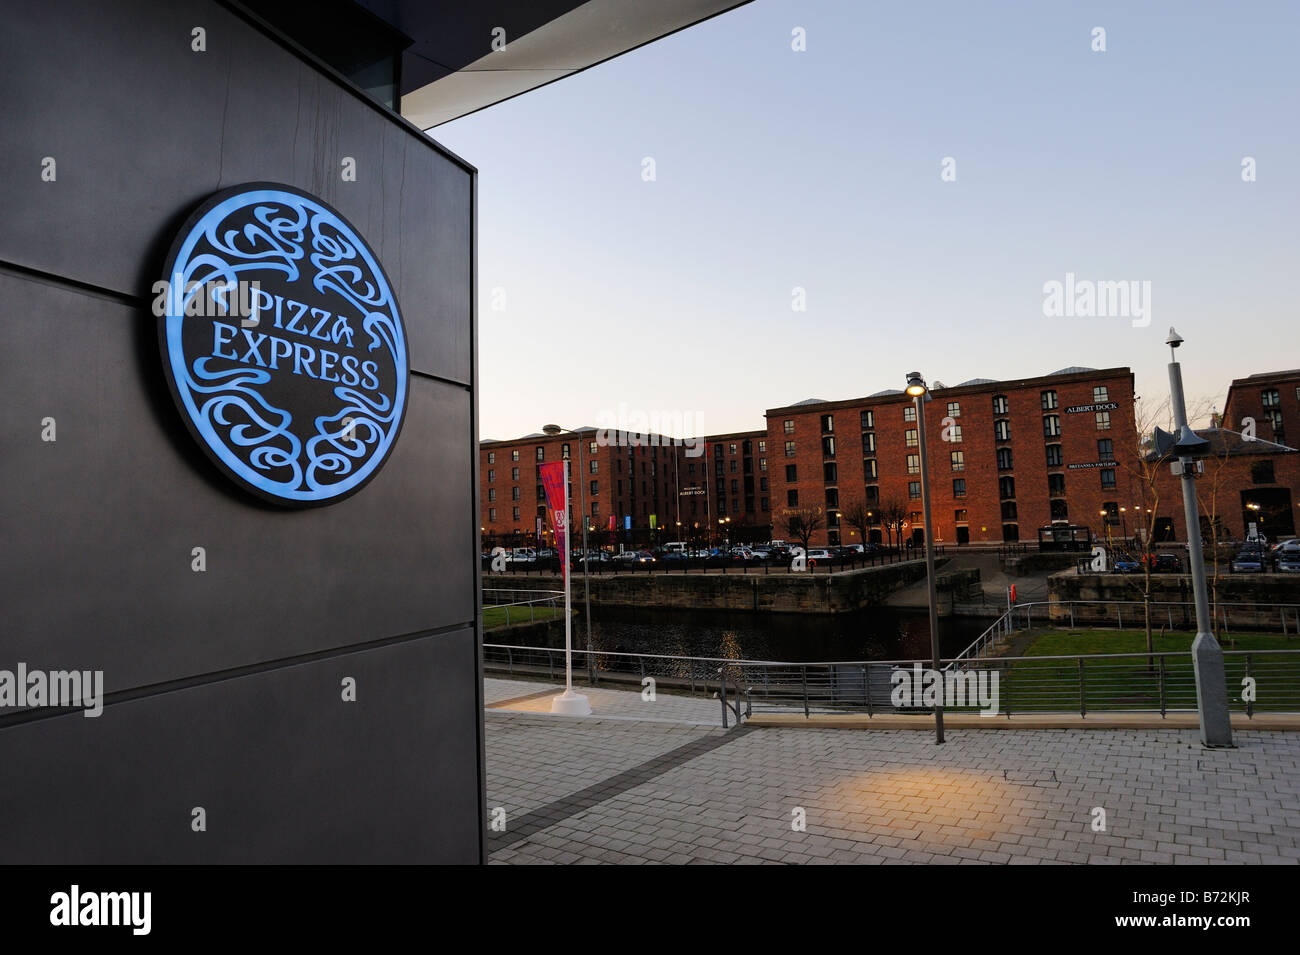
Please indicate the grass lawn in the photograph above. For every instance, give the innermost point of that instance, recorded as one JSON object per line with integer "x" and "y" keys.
{"x": 1067, "y": 642}
{"x": 496, "y": 616}
{"x": 1130, "y": 684}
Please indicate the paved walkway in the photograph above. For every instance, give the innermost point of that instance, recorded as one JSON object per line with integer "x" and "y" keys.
{"x": 606, "y": 703}
{"x": 616, "y": 789}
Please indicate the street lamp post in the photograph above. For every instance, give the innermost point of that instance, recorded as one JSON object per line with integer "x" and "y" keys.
{"x": 1207, "y": 655}
{"x": 553, "y": 430}
{"x": 916, "y": 387}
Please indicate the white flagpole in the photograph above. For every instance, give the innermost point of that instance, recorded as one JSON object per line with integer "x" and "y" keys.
{"x": 568, "y": 612}
{"x": 568, "y": 702}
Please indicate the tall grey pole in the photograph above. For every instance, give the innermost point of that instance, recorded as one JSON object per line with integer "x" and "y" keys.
{"x": 929, "y": 563}
{"x": 1207, "y": 655}
{"x": 586, "y": 560}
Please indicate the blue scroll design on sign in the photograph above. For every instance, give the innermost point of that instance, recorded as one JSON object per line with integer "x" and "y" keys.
{"x": 272, "y": 232}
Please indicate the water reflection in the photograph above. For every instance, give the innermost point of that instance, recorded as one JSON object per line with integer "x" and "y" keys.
{"x": 875, "y": 634}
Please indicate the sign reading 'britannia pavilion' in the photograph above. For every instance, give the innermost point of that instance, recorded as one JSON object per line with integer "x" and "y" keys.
{"x": 283, "y": 344}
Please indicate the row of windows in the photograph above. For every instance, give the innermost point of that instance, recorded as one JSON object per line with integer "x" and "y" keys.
{"x": 1006, "y": 489}
{"x": 593, "y": 467}
{"x": 956, "y": 459}
{"x": 1048, "y": 399}
{"x": 594, "y": 448}
{"x": 1001, "y": 432}
{"x": 1272, "y": 398}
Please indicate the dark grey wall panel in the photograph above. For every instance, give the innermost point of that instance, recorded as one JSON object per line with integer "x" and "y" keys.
{"x": 108, "y": 515}
{"x": 143, "y": 128}
{"x": 286, "y": 771}
{"x": 227, "y": 681}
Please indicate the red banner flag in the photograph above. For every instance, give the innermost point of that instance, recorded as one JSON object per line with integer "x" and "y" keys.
{"x": 611, "y": 522}
{"x": 553, "y": 480}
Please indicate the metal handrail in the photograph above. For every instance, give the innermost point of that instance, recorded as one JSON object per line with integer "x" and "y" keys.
{"x": 733, "y": 707}
{"x": 535, "y": 597}
{"x": 1287, "y": 617}
{"x": 1161, "y": 681}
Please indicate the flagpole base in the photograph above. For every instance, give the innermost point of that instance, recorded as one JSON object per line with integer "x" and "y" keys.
{"x": 569, "y": 703}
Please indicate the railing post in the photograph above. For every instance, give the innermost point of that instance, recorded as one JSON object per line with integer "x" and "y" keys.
{"x": 1083, "y": 691}
{"x": 1163, "y": 700}
{"x": 866, "y": 682}
{"x": 805, "y": 691}
{"x": 1006, "y": 687}
{"x": 722, "y": 695}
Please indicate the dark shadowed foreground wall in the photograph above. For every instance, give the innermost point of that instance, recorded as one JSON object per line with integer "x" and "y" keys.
{"x": 224, "y": 687}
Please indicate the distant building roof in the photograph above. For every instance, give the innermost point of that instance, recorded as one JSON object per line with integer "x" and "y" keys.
{"x": 977, "y": 381}
{"x": 1234, "y": 443}
{"x": 809, "y": 401}
{"x": 1292, "y": 373}
{"x": 887, "y": 391}
{"x": 1072, "y": 370}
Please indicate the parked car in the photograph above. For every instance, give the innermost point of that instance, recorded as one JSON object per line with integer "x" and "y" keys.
{"x": 635, "y": 557}
{"x": 1126, "y": 564}
{"x": 522, "y": 555}
{"x": 1249, "y": 560}
{"x": 1288, "y": 547}
{"x": 1289, "y": 563}
{"x": 820, "y": 553}
{"x": 740, "y": 553}
{"x": 1166, "y": 564}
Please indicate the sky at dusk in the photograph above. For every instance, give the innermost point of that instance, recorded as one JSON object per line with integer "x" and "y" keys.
{"x": 822, "y": 170}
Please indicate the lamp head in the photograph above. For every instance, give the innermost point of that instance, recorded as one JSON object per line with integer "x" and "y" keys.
{"x": 551, "y": 429}
{"x": 916, "y": 384}
{"x": 1174, "y": 339}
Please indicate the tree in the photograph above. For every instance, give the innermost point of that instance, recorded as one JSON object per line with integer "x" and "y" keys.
{"x": 802, "y": 523}
{"x": 861, "y": 518}
{"x": 894, "y": 513}
{"x": 1146, "y": 467}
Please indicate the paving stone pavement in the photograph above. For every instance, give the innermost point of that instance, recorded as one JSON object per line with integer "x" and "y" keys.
{"x": 625, "y": 791}
{"x": 606, "y": 702}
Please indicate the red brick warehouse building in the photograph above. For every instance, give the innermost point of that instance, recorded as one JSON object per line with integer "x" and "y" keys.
{"x": 1006, "y": 458}
{"x": 729, "y": 490}
{"x": 628, "y": 484}
{"x": 1252, "y": 471}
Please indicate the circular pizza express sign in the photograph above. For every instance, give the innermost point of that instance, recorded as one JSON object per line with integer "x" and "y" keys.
{"x": 283, "y": 344}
